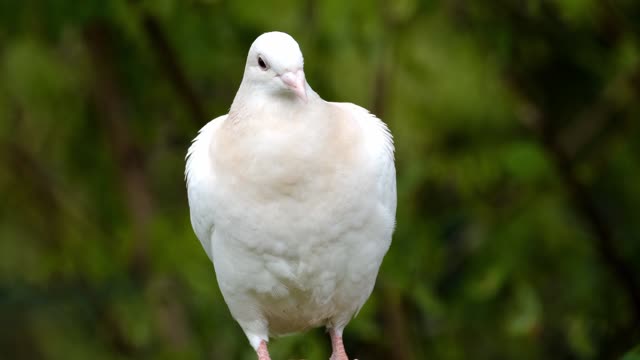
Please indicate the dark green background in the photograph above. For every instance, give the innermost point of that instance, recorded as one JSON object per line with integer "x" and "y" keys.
{"x": 517, "y": 129}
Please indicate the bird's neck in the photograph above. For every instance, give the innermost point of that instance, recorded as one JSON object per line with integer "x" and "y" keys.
{"x": 251, "y": 103}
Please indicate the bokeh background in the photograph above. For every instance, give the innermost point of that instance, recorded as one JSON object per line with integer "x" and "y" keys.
{"x": 517, "y": 129}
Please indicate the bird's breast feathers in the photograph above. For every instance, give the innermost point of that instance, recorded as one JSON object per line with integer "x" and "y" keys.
{"x": 310, "y": 155}
{"x": 292, "y": 196}
{"x": 331, "y": 161}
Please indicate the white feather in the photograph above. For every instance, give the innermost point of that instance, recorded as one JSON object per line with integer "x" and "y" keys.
{"x": 295, "y": 204}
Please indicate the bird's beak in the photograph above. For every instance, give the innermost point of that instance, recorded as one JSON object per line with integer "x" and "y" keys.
{"x": 296, "y": 82}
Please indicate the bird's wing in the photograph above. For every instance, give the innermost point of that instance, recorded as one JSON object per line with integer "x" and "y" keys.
{"x": 379, "y": 160}
{"x": 200, "y": 179}
{"x": 379, "y": 147}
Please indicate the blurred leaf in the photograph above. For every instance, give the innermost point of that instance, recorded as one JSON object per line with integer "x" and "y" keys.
{"x": 632, "y": 355}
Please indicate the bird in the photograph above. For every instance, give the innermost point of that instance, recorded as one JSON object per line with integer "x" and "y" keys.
{"x": 293, "y": 199}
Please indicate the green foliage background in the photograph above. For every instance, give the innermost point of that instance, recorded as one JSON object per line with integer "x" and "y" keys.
{"x": 516, "y": 126}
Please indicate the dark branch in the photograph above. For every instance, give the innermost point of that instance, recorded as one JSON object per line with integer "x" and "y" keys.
{"x": 128, "y": 157}
{"x": 170, "y": 62}
{"x": 603, "y": 235}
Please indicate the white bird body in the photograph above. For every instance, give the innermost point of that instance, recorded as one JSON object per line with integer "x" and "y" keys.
{"x": 294, "y": 202}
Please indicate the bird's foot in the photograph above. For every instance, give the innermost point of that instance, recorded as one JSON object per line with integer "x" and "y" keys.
{"x": 263, "y": 353}
{"x": 337, "y": 346}
{"x": 342, "y": 356}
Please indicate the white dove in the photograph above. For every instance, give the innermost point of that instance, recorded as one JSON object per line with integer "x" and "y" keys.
{"x": 293, "y": 198}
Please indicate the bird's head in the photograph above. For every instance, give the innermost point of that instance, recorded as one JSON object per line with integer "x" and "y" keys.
{"x": 275, "y": 65}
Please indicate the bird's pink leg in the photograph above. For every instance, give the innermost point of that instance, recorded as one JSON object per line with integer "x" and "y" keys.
{"x": 263, "y": 354}
{"x": 337, "y": 346}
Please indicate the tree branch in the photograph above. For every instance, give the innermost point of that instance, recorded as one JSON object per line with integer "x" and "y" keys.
{"x": 603, "y": 235}
{"x": 127, "y": 155}
{"x": 133, "y": 174}
{"x": 598, "y": 119}
{"x": 170, "y": 63}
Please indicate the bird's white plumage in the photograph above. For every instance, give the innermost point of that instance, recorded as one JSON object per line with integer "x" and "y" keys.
{"x": 294, "y": 201}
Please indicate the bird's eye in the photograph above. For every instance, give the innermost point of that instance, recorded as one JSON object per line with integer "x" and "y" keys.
{"x": 263, "y": 65}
